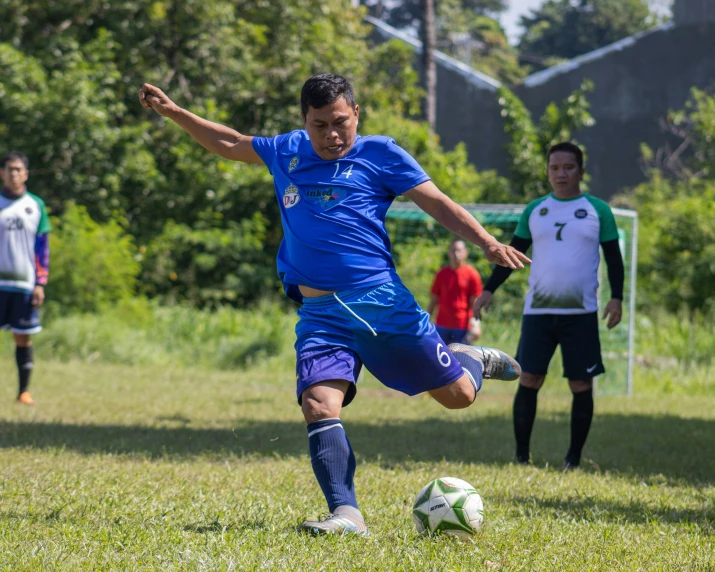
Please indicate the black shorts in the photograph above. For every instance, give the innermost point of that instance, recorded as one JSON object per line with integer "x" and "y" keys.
{"x": 17, "y": 313}
{"x": 577, "y": 334}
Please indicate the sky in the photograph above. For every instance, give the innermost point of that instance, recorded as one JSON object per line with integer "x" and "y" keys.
{"x": 511, "y": 18}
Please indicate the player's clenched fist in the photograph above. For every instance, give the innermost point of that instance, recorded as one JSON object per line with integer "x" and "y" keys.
{"x": 503, "y": 255}
{"x": 153, "y": 98}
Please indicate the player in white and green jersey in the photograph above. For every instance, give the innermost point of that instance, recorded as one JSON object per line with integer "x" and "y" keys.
{"x": 24, "y": 263}
{"x": 565, "y": 230}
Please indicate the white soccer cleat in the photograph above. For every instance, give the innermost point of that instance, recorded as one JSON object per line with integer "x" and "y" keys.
{"x": 495, "y": 363}
{"x": 343, "y": 521}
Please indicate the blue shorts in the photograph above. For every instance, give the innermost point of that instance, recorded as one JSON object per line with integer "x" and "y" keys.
{"x": 381, "y": 327}
{"x": 17, "y": 313}
{"x": 452, "y": 335}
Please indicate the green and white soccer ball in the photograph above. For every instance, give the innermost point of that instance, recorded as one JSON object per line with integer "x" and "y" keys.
{"x": 448, "y": 506}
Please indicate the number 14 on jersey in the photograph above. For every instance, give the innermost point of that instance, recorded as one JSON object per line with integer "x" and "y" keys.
{"x": 347, "y": 172}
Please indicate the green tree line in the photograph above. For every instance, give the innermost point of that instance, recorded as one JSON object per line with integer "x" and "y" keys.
{"x": 202, "y": 229}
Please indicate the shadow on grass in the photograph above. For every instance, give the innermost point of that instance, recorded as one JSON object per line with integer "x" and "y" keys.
{"x": 627, "y": 511}
{"x": 639, "y": 445}
{"x": 218, "y": 528}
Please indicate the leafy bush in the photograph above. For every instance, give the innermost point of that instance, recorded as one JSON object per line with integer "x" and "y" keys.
{"x": 529, "y": 142}
{"x": 91, "y": 264}
{"x": 212, "y": 263}
{"x": 676, "y": 247}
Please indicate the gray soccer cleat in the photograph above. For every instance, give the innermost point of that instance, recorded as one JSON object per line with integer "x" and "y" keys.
{"x": 495, "y": 363}
{"x": 345, "y": 520}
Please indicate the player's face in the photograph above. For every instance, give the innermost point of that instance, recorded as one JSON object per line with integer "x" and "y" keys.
{"x": 457, "y": 253}
{"x": 564, "y": 173}
{"x": 332, "y": 129}
{"x": 14, "y": 175}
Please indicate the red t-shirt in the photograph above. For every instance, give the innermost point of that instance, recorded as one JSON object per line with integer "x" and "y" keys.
{"x": 454, "y": 289}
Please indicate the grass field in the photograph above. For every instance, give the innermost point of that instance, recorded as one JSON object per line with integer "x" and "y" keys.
{"x": 149, "y": 468}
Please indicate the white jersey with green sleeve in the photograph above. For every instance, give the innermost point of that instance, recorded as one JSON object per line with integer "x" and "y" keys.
{"x": 21, "y": 221}
{"x": 566, "y": 235}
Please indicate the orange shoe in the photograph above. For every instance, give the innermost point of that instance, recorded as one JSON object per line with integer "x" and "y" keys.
{"x": 25, "y": 398}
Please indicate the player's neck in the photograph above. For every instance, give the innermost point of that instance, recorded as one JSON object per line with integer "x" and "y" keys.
{"x": 13, "y": 195}
{"x": 457, "y": 265}
{"x": 566, "y": 195}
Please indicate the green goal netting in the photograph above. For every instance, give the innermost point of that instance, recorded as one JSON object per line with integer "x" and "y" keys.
{"x": 420, "y": 245}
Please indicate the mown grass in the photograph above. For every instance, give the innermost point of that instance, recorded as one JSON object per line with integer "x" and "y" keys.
{"x": 164, "y": 468}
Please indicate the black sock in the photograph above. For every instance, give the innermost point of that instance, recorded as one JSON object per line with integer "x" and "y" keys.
{"x": 524, "y": 415}
{"x": 581, "y": 416}
{"x": 23, "y": 357}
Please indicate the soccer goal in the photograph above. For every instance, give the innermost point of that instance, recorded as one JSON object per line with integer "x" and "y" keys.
{"x": 420, "y": 245}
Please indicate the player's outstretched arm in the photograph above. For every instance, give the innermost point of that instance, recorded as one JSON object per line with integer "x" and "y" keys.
{"x": 456, "y": 219}
{"x": 219, "y": 139}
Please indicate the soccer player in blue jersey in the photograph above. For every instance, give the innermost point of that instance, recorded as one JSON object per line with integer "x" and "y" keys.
{"x": 334, "y": 188}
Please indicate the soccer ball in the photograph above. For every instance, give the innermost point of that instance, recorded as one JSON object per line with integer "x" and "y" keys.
{"x": 448, "y": 506}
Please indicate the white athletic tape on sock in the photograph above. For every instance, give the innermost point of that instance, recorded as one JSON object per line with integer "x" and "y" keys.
{"x": 314, "y": 431}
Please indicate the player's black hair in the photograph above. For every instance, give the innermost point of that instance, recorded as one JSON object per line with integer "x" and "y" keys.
{"x": 324, "y": 89}
{"x": 13, "y": 155}
{"x": 567, "y": 147}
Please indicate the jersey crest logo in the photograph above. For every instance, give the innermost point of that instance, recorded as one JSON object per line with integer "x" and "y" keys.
{"x": 581, "y": 213}
{"x": 290, "y": 196}
{"x": 28, "y": 210}
{"x": 544, "y": 211}
{"x": 293, "y": 163}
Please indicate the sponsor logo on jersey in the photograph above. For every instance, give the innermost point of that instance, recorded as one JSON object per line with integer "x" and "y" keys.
{"x": 324, "y": 197}
{"x": 290, "y": 196}
{"x": 293, "y": 163}
{"x": 544, "y": 211}
{"x": 581, "y": 213}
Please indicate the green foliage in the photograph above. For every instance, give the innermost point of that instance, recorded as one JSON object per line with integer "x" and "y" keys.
{"x": 466, "y": 30}
{"x": 566, "y": 29}
{"x": 92, "y": 264}
{"x": 676, "y": 247}
{"x": 676, "y": 207}
{"x": 211, "y": 263}
{"x": 208, "y": 229}
{"x": 529, "y": 142}
{"x": 408, "y": 13}
{"x": 393, "y": 81}
{"x": 693, "y": 127}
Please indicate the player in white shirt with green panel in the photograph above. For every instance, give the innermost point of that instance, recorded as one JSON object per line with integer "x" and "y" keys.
{"x": 565, "y": 230}
{"x": 24, "y": 263}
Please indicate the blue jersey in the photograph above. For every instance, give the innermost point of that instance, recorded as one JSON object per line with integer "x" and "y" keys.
{"x": 333, "y": 212}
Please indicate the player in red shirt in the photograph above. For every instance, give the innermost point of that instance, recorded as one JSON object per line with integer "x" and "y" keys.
{"x": 454, "y": 290}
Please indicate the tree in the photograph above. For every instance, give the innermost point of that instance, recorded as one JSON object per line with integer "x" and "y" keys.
{"x": 477, "y": 40}
{"x": 207, "y": 229}
{"x": 693, "y": 128}
{"x": 568, "y": 28}
{"x": 465, "y": 30}
{"x": 529, "y": 142}
{"x": 676, "y": 209}
{"x": 408, "y": 13}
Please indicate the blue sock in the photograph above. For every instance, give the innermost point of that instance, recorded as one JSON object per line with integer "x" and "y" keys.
{"x": 333, "y": 462}
{"x": 472, "y": 367}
